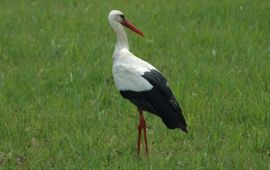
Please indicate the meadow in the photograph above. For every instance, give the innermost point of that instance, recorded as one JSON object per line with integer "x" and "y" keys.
{"x": 59, "y": 108}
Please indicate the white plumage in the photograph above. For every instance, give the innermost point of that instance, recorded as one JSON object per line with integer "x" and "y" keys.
{"x": 128, "y": 70}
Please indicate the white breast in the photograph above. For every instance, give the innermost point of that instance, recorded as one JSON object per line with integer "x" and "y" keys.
{"x": 128, "y": 70}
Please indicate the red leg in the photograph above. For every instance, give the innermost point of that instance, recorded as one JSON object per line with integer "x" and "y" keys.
{"x": 145, "y": 139}
{"x": 139, "y": 138}
{"x": 141, "y": 126}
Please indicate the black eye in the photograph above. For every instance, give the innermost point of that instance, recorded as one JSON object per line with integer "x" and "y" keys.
{"x": 122, "y": 16}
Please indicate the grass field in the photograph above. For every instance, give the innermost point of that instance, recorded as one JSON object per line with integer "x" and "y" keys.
{"x": 59, "y": 107}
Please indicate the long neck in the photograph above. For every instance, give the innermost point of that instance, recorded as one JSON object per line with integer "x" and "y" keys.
{"x": 122, "y": 41}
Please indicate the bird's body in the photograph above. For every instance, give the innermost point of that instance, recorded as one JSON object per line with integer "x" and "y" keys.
{"x": 140, "y": 82}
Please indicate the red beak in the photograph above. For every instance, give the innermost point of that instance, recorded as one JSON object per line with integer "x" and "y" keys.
{"x": 132, "y": 27}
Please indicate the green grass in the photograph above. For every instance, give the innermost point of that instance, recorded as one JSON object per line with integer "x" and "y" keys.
{"x": 59, "y": 107}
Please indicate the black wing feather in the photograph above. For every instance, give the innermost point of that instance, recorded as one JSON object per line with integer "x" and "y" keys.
{"x": 158, "y": 81}
{"x": 173, "y": 116}
{"x": 159, "y": 100}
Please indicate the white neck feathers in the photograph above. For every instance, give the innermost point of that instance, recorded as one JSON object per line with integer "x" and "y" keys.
{"x": 122, "y": 41}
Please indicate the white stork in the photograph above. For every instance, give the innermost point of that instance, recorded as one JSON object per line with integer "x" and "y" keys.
{"x": 141, "y": 83}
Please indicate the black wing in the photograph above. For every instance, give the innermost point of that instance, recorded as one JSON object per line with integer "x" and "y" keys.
{"x": 164, "y": 102}
{"x": 159, "y": 100}
{"x": 158, "y": 81}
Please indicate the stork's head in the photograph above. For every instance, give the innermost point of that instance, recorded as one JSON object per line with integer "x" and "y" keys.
{"x": 117, "y": 17}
